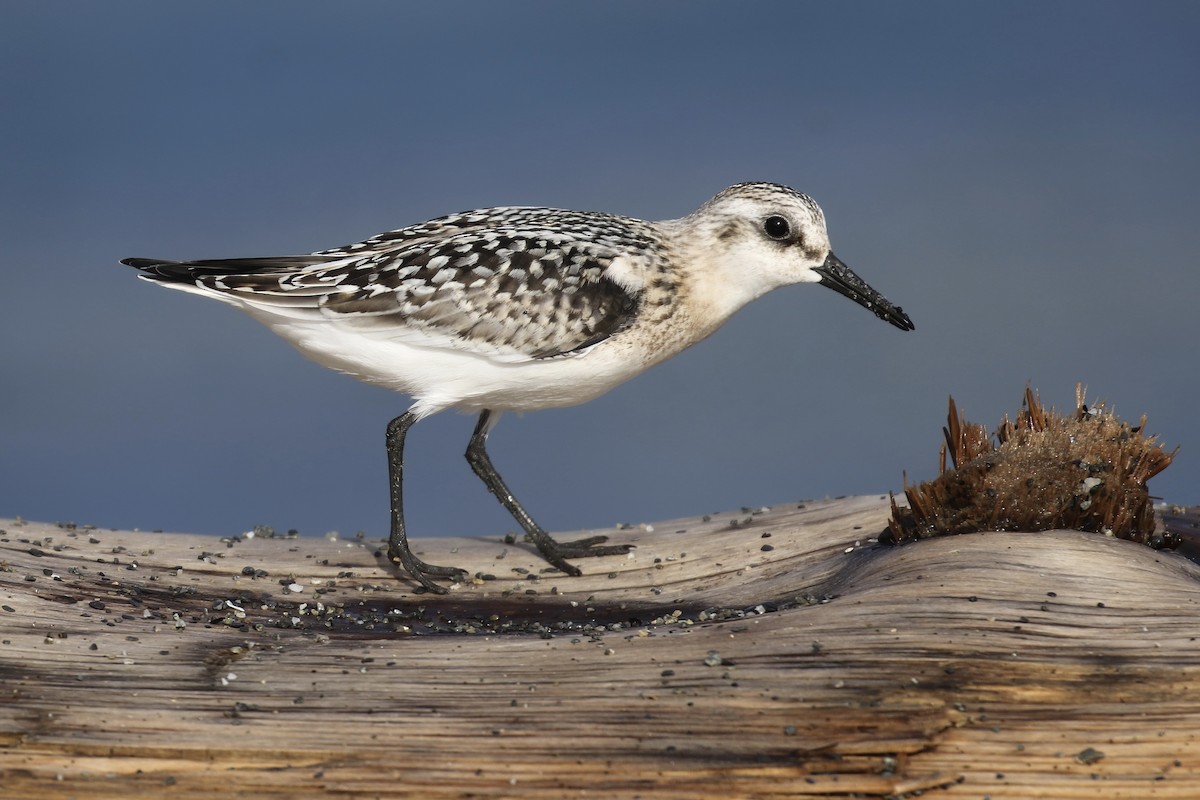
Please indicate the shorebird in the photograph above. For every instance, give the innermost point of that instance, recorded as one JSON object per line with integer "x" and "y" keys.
{"x": 520, "y": 309}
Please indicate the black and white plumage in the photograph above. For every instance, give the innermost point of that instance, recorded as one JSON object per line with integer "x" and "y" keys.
{"x": 526, "y": 308}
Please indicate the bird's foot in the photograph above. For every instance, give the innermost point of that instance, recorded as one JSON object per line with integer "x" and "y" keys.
{"x": 557, "y": 552}
{"x": 398, "y": 553}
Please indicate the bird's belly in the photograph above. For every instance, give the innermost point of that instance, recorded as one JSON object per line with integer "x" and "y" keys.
{"x": 440, "y": 377}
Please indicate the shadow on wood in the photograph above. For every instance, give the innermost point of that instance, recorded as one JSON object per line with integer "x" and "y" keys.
{"x": 765, "y": 654}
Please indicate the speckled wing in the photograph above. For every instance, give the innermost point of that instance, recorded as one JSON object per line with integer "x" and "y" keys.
{"x": 540, "y": 296}
{"x": 514, "y": 283}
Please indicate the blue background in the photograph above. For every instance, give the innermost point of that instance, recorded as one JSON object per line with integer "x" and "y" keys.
{"x": 1024, "y": 178}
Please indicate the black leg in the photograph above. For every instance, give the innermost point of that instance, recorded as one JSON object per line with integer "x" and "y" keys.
{"x": 553, "y": 551}
{"x": 398, "y": 552}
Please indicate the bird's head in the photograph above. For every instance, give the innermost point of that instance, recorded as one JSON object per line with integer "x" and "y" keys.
{"x": 761, "y": 236}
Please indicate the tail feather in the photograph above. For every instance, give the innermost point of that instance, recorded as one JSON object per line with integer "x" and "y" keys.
{"x": 190, "y": 271}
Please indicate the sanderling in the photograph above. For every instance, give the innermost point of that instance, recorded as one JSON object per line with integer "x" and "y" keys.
{"x": 518, "y": 309}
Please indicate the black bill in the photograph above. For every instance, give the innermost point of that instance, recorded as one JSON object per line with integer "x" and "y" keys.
{"x": 841, "y": 279}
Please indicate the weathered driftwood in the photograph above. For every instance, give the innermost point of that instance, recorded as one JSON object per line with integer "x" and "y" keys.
{"x": 1012, "y": 665}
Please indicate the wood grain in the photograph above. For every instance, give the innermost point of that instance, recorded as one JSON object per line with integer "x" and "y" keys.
{"x": 754, "y": 654}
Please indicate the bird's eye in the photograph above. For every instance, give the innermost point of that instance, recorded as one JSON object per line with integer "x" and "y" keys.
{"x": 777, "y": 227}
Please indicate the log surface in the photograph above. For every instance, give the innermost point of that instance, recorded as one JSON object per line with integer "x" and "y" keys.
{"x": 754, "y": 654}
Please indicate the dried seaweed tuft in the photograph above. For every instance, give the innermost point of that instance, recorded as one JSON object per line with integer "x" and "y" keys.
{"x": 1087, "y": 471}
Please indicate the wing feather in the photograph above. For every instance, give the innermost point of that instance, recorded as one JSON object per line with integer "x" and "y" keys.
{"x": 540, "y": 297}
{"x": 515, "y": 282}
